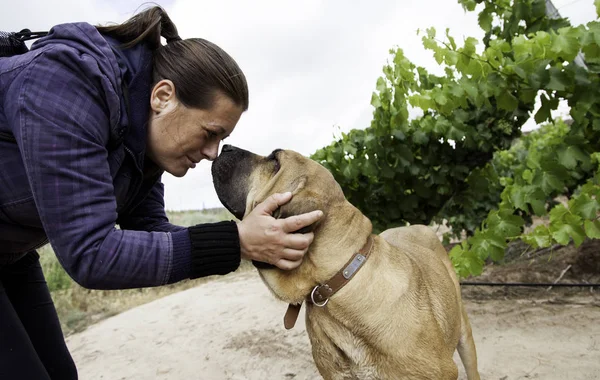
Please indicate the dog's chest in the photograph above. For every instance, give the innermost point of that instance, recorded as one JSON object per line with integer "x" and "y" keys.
{"x": 355, "y": 361}
{"x": 364, "y": 373}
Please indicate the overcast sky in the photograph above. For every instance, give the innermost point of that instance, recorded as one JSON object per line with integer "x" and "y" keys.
{"x": 311, "y": 65}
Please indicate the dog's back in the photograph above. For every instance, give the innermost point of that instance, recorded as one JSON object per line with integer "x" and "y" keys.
{"x": 425, "y": 237}
{"x": 429, "y": 261}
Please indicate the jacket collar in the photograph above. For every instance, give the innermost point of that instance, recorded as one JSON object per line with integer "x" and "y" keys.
{"x": 135, "y": 65}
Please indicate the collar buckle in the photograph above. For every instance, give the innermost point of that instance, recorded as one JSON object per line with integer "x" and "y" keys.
{"x": 312, "y": 298}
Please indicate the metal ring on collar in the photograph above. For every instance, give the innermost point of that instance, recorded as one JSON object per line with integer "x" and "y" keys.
{"x": 312, "y": 298}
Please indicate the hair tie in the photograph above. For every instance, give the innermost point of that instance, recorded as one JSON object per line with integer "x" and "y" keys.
{"x": 173, "y": 39}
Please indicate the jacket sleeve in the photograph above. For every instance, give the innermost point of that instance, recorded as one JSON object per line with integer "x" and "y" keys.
{"x": 150, "y": 214}
{"x": 215, "y": 246}
{"x": 57, "y": 110}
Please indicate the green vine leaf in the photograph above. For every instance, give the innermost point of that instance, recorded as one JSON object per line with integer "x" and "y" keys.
{"x": 592, "y": 229}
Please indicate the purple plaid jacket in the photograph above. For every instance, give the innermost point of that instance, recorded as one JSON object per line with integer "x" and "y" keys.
{"x": 66, "y": 181}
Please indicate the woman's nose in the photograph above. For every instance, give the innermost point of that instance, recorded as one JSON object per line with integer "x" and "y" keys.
{"x": 211, "y": 151}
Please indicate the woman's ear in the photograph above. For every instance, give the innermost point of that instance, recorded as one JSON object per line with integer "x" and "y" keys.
{"x": 162, "y": 98}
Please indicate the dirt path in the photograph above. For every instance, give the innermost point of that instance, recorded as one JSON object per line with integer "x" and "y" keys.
{"x": 232, "y": 329}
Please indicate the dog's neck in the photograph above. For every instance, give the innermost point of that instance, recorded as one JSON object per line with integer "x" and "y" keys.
{"x": 321, "y": 293}
{"x": 330, "y": 250}
{"x": 328, "y": 253}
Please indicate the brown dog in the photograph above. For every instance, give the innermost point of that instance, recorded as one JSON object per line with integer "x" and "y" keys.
{"x": 399, "y": 317}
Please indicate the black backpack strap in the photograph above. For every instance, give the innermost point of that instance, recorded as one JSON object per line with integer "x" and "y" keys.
{"x": 26, "y": 35}
{"x": 14, "y": 43}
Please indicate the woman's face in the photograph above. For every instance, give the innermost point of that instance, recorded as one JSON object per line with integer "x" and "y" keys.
{"x": 179, "y": 137}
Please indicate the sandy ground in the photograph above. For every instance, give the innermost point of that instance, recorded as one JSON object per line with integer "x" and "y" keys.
{"x": 232, "y": 329}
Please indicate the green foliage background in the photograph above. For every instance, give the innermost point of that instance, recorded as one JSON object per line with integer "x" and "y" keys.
{"x": 464, "y": 160}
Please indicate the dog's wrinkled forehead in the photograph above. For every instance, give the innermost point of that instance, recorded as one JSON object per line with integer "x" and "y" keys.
{"x": 287, "y": 170}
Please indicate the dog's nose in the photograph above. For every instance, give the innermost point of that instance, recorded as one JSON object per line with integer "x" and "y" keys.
{"x": 227, "y": 148}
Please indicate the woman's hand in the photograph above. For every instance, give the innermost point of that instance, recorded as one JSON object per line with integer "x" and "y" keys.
{"x": 264, "y": 238}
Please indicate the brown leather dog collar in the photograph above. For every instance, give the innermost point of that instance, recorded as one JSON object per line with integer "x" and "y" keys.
{"x": 321, "y": 293}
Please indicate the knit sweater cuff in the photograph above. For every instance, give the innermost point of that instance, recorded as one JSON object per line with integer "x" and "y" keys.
{"x": 215, "y": 248}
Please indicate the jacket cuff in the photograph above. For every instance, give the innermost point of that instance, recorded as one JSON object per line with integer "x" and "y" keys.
{"x": 182, "y": 258}
{"x": 215, "y": 249}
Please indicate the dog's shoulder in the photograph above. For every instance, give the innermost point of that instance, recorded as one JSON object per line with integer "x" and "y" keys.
{"x": 416, "y": 234}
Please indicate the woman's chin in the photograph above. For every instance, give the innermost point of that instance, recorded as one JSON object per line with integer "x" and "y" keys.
{"x": 179, "y": 171}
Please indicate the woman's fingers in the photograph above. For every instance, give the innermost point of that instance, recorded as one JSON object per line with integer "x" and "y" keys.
{"x": 270, "y": 240}
{"x": 272, "y": 203}
{"x": 297, "y": 222}
{"x": 287, "y": 264}
{"x": 298, "y": 241}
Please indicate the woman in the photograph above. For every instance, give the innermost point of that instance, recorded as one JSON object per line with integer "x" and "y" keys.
{"x": 95, "y": 116}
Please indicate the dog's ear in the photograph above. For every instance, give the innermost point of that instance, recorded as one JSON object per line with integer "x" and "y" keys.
{"x": 298, "y": 205}
{"x": 298, "y": 184}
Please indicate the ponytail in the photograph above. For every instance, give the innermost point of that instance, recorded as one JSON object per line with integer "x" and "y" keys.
{"x": 198, "y": 68}
{"x": 147, "y": 26}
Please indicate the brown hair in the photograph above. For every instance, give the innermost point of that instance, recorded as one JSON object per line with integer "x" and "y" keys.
{"x": 198, "y": 68}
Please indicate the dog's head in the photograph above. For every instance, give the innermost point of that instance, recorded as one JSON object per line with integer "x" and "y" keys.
{"x": 243, "y": 180}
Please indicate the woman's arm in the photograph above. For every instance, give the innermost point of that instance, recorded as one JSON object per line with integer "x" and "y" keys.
{"x": 150, "y": 214}
{"x": 57, "y": 110}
